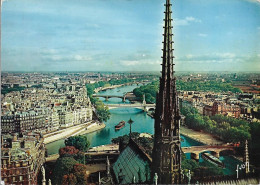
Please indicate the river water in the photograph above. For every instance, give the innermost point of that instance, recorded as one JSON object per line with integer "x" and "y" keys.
{"x": 142, "y": 123}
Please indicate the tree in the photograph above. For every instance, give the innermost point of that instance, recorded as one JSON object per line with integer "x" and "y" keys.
{"x": 90, "y": 89}
{"x": 77, "y": 175}
{"x": 69, "y": 179}
{"x": 79, "y": 170}
{"x": 102, "y": 111}
{"x": 63, "y": 166}
{"x": 215, "y": 86}
{"x": 5, "y": 90}
{"x": 79, "y": 142}
{"x": 68, "y": 151}
{"x": 227, "y": 128}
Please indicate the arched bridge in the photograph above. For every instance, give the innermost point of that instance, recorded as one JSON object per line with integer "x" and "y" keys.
{"x": 215, "y": 150}
{"x": 145, "y": 107}
{"x": 109, "y": 96}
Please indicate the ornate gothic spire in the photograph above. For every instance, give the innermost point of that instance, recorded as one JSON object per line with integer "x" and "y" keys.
{"x": 167, "y": 102}
{"x": 166, "y": 152}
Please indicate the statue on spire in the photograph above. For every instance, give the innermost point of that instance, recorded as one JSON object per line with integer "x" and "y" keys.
{"x": 246, "y": 158}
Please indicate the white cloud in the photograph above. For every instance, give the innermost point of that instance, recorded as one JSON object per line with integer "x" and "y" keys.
{"x": 203, "y": 35}
{"x": 209, "y": 57}
{"x": 140, "y": 63}
{"x": 192, "y": 19}
{"x": 220, "y": 61}
{"x": 186, "y": 21}
{"x": 65, "y": 58}
{"x": 82, "y": 58}
{"x": 129, "y": 63}
{"x": 56, "y": 57}
{"x": 254, "y": 1}
{"x": 189, "y": 56}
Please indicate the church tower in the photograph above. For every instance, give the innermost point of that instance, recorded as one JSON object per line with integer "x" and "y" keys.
{"x": 166, "y": 151}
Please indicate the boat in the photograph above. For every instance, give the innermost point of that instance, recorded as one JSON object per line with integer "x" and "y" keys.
{"x": 213, "y": 160}
{"x": 120, "y": 125}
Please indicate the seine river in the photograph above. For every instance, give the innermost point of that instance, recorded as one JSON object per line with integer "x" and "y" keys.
{"x": 142, "y": 123}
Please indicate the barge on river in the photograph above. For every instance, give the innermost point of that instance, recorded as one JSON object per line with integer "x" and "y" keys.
{"x": 213, "y": 160}
{"x": 120, "y": 125}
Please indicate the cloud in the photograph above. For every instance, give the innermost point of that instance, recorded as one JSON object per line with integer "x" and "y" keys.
{"x": 129, "y": 63}
{"x": 141, "y": 64}
{"x": 82, "y": 58}
{"x": 186, "y": 21}
{"x": 202, "y": 35}
{"x": 254, "y": 1}
{"x": 211, "y": 57}
{"x": 192, "y": 19}
{"x": 69, "y": 58}
{"x": 220, "y": 60}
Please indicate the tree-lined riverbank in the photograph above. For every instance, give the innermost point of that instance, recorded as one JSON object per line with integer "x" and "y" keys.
{"x": 200, "y": 136}
{"x": 72, "y": 131}
{"x": 142, "y": 124}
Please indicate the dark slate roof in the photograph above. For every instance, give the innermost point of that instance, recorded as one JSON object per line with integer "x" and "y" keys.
{"x": 132, "y": 162}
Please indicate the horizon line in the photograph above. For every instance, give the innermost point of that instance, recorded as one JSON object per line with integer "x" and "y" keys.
{"x": 12, "y": 71}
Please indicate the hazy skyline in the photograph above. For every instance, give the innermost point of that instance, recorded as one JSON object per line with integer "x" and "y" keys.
{"x": 126, "y": 35}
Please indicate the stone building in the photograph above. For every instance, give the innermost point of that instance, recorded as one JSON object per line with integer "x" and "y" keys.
{"x": 21, "y": 158}
{"x": 22, "y": 121}
{"x": 222, "y": 108}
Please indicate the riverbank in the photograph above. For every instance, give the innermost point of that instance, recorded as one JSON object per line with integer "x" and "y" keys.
{"x": 106, "y": 88}
{"x": 72, "y": 131}
{"x": 92, "y": 128}
{"x": 200, "y": 136}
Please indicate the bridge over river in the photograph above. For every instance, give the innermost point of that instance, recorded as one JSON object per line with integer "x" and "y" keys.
{"x": 109, "y": 96}
{"x": 214, "y": 149}
{"x": 113, "y": 149}
{"x": 130, "y": 96}
{"x": 145, "y": 107}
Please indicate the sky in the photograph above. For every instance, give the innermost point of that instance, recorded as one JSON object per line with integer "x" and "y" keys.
{"x": 126, "y": 35}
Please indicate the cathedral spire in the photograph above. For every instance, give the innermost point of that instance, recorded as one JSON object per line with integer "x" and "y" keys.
{"x": 167, "y": 67}
{"x": 166, "y": 151}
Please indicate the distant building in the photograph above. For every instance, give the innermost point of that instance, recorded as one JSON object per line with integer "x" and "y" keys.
{"x": 24, "y": 121}
{"x": 222, "y": 108}
{"x": 21, "y": 158}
